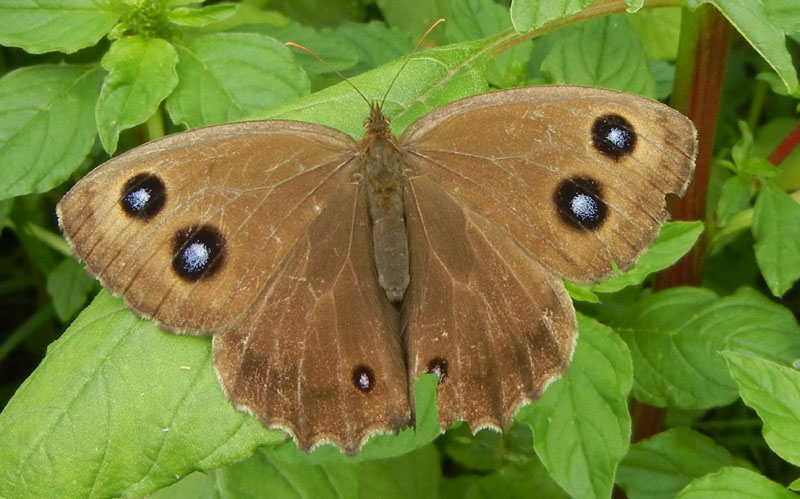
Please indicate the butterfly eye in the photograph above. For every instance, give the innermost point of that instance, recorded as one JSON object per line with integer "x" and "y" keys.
{"x": 198, "y": 252}
{"x": 363, "y": 378}
{"x": 438, "y": 366}
{"x": 613, "y": 136}
{"x": 143, "y": 196}
{"x": 579, "y": 202}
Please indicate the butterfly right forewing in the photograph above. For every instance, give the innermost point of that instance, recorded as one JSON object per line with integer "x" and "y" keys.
{"x": 525, "y": 157}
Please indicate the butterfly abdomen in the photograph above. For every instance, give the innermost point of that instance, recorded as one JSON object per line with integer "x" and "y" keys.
{"x": 382, "y": 163}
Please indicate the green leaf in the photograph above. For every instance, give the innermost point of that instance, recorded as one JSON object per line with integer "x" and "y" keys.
{"x": 581, "y": 425}
{"x": 5, "y": 209}
{"x": 734, "y": 483}
{"x": 488, "y": 450}
{"x": 674, "y": 241}
{"x": 69, "y": 286}
{"x": 659, "y": 31}
{"x": 339, "y": 53}
{"x": 528, "y": 15}
{"x": 734, "y": 198}
{"x": 776, "y": 229}
{"x": 415, "y": 474}
{"x": 753, "y": 22}
{"x": 203, "y": 16}
{"x": 250, "y": 478}
{"x": 476, "y": 19}
{"x": 431, "y": 79}
{"x": 784, "y": 13}
{"x": 318, "y": 14}
{"x": 664, "y": 74}
{"x": 659, "y": 467}
{"x": 225, "y": 77}
{"x": 40, "y": 26}
{"x": 745, "y": 161}
{"x": 175, "y": 3}
{"x": 374, "y": 43}
{"x": 675, "y": 337}
{"x": 385, "y": 445}
{"x": 141, "y": 75}
{"x": 415, "y": 17}
{"x": 120, "y": 408}
{"x": 481, "y": 452}
{"x": 773, "y": 390}
{"x": 47, "y": 126}
{"x": 602, "y": 52}
{"x": 516, "y": 480}
{"x": 581, "y": 293}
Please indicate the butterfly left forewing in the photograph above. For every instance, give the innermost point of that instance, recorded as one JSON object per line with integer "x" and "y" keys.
{"x": 530, "y": 159}
{"x": 319, "y": 354}
{"x": 483, "y": 315}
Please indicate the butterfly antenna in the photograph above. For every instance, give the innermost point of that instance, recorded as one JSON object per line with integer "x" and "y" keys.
{"x": 334, "y": 70}
{"x": 419, "y": 44}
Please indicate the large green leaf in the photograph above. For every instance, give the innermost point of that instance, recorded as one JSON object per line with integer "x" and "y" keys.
{"x": 675, "y": 337}
{"x": 47, "y": 125}
{"x": 776, "y": 228}
{"x": 141, "y": 75}
{"x": 120, "y": 408}
{"x": 659, "y": 467}
{"x": 581, "y": 426}
{"x": 40, "y": 26}
{"x": 224, "y": 77}
{"x": 773, "y": 390}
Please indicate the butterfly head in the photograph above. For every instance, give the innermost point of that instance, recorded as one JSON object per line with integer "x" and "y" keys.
{"x": 377, "y": 123}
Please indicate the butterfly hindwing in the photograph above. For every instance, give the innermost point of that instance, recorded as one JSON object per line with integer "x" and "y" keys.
{"x": 319, "y": 355}
{"x": 483, "y": 315}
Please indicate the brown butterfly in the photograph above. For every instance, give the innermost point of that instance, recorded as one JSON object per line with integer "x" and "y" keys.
{"x": 332, "y": 273}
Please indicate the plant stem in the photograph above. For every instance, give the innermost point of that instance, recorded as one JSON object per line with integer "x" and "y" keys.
{"x": 698, "y": 84}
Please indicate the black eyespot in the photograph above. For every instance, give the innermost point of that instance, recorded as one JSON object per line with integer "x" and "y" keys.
{"x": 438, "y": 366}
{"x": 198, "y": 252}
{"x": 363, "y": 378}
{"x": 613, "y": 136}
{"x": 579, "y": 202}
{"x": 143, "y": 196}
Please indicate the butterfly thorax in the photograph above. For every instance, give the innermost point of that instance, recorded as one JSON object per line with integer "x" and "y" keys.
{"x": 381, "y": 165}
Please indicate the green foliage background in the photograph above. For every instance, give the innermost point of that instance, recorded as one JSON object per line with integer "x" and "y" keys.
{"x": 119, "y": 408}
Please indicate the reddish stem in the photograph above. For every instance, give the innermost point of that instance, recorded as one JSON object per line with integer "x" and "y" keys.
{"x": 698, "y": 80}
{"x": 785, "y": 147}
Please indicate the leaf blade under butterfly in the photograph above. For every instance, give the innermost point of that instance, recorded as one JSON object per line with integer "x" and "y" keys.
{"x": 114, "y": 409}
{"x": 431, "y": 78}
